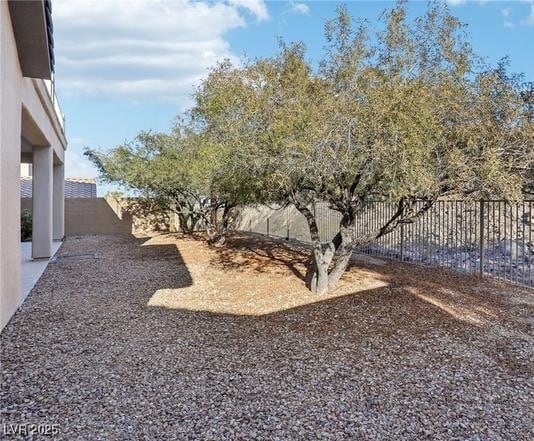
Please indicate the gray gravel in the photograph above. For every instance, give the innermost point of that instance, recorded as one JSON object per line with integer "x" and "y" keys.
{"x": 86, "y": 353}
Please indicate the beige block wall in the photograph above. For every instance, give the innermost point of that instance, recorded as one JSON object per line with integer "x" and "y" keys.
{"x": 88, "y": 216}
{"x": 95, "y": 216}
{"x": 275, "y": 222}
{"x": 10, "y": 128}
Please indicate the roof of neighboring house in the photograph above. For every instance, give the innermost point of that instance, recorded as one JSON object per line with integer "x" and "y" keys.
{"x": 74, "y": 187}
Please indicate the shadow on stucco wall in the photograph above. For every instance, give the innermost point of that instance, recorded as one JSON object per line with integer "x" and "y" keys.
{"x": 90, "y": 216}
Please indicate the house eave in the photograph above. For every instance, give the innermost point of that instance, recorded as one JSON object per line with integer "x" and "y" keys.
{"x": 33, "y": 37}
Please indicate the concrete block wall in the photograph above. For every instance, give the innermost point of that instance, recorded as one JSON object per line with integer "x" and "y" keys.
{"x": 88, "y": 216}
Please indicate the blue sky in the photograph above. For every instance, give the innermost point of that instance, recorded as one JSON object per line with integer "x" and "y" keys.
{"x": 124, "y": 66}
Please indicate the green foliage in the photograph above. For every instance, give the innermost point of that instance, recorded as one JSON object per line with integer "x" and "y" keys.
{"x": 165, "y": 168}
{"x": 25, "y": 225}
{"x": 404, "y": 113}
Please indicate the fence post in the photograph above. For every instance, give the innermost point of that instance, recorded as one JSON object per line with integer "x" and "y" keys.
{"x": 287, "y": 223}
{"x": 267, "y": 227}
{"x": 481, "y": 240}
{"x": 402, "y": 242}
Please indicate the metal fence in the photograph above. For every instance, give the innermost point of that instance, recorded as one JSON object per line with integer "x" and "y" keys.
{"x": 492, "y": 238}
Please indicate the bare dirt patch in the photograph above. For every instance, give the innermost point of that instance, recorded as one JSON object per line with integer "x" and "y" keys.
{"x": 250, "y": 276}
{"x": 256, "y": 275}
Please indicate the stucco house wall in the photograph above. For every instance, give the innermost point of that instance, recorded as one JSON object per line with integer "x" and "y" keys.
{"x": 30, "y": 131}
{"x": 10, "y": 128}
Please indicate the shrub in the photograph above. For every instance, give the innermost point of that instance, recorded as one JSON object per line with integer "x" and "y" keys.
{"x": 25, "y": 225}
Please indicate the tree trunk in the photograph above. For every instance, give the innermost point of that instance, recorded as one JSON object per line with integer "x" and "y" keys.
{"x": 321, "y": 277}
{"x": 339, "y": 268}
{"x": 318, "y": 268}
{"x": 188, "y": 222}
{"x": 321, "y": 274}
{"x": 319, "y": 284}
{"x": 183, "y": 222}
{"x": 217, "y": 233}
{"x": 310, "y": 277}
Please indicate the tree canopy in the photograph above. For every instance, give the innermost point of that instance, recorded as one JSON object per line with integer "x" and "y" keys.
{"x": 407, "y": 113}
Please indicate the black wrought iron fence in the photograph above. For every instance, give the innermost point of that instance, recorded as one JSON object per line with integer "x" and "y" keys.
{"x": 491, "y": 237}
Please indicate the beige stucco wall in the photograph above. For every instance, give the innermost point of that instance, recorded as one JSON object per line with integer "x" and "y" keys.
{"x": 87, "y": 216}
{"x": 94, "y": 216}
{"x": 40, "y": 109}
{"x": 25, "y": 108}
{"x": 267, "y": 220}
{"x": 10, "y": 126}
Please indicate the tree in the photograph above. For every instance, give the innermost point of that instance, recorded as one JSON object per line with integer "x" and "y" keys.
{"x": 160, "y": 167}
{"x": 527, "y": 93}
{"x": 408, "y": 114}
{"x": 181, "y": 171}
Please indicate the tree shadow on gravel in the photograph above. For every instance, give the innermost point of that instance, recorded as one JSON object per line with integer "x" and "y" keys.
{"x": 172, "y": 266}
{"x": 251, "y": 252}
{"x": 139, "y": 264}
{"x": 421, "y": 313}
{"x": 152, "y": 263}
{"x": 464, "y": 297}
{"x": 87, "y": 347}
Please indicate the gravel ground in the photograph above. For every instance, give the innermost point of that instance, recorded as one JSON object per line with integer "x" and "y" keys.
{"x": 425, "y": 354}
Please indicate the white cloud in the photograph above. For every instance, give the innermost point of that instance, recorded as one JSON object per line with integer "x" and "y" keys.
{"x": 506, "y": 13}
{"x": 479, "y": 2}
{"x": 529, "y": 21}
{"x": 300, "y": 8}
{"x": 462, "y": 2}
{"x": 77, "y": 166}
{"x": 256, "y": 7}
{"x": 151, "y": 49}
